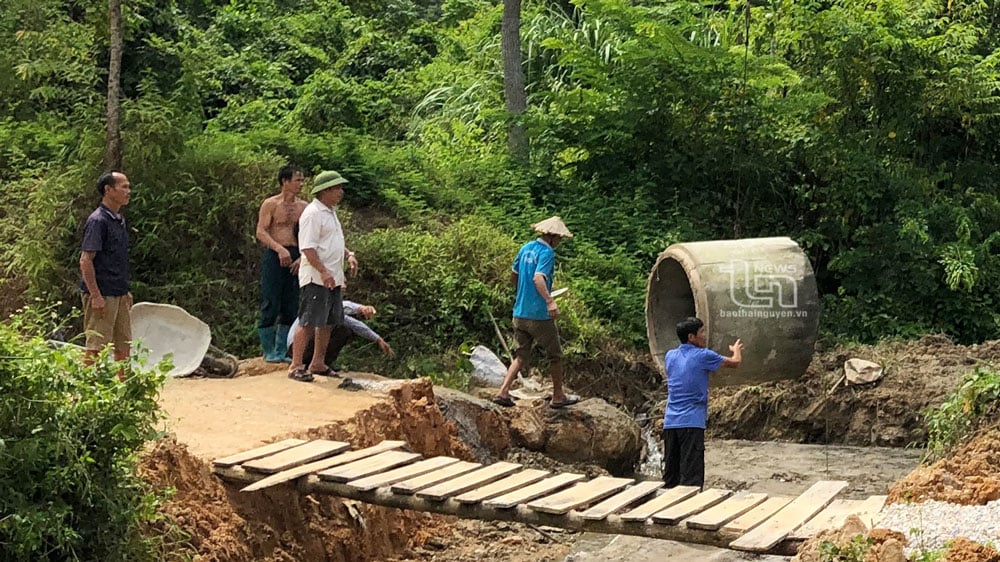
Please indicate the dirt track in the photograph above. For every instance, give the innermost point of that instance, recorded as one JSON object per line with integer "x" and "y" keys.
{"x": 217, "y": 417}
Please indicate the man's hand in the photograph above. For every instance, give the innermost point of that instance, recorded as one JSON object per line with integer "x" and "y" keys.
{"x": 353, "y": 263}
{"x": 328, "y": 281}
{"x": 284, "y": 256}
{"x": 368, "y": 311}
{"x": 97, "y": 304}
{"x": 553, "y": 309}
{"x": 737, "y": 358}
{"x": 385, "y": 347}
{"x": 295, "y": 266}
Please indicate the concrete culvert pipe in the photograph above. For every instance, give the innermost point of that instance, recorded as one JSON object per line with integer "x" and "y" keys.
{"x": 761, "y": 290}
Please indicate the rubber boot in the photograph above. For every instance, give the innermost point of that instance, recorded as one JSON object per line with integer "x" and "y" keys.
{"x": 281, "y": 344}
{"x": 267, "y": 343}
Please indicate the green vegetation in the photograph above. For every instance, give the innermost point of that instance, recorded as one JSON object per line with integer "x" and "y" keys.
{"x": 976, "y": 399}
{"x": 71, "y": 436}
{"x": 867, "y": 132}
{"x": 853, "y": 551}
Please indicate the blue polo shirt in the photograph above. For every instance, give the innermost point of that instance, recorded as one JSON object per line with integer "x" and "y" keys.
{"x": 688, "y": 368}
{"x": 534, "y": 257}
{"x": 105, "y": 235}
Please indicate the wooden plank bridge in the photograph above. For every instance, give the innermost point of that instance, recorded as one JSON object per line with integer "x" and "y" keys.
{"x": 388, "y": 474}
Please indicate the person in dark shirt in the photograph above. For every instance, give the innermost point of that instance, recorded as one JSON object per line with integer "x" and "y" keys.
{"x": 104, "y": 269}
{"x": 341, "y": 335}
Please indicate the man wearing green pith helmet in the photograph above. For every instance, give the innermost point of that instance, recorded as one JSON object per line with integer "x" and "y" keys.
{"x": 321, "y": 275}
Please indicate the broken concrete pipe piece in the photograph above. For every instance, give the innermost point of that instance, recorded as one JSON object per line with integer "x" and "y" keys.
{"x": 165, "y": 329}
{"x": 760, "y": 290}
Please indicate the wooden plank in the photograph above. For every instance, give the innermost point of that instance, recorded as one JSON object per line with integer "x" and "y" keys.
{"x": 660, "y": 502}
{"x": 871, "y": 509}
{"x": 298, "y": 455}
{"x": 830, "y": 516}
{"x": 469, "y": 481}
{"x": 673, "y": 514}
{"x": 801, "y": 509}
{"x": 412, "y": 485}
{"x": 371, "y": 465}
{"x": 836, "y": 513}
{"x": 270, "y": 449}
{"x": 618, "y": 501}
{"x": 755, "y": 516}
{"x": 579, "y": 495}
{"x": 502, "y": 486}
{"x": 322, "y": 464}
{"x": 714, "y": 518}
{"x": 401, "y": 473}
{"x": 536, "y": 490}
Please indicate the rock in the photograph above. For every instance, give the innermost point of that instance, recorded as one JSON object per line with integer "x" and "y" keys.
{"x": 527, "y": 428}
{"x": 593, "y": 431}
{"x": 487, "y": 369}
{"x": 478, "y": 422}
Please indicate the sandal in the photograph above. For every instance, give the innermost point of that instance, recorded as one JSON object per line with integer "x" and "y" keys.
{"x": 569, "y": 400}
{"x": 504, "y": 401}
{"x": 328, "y": 372}
{"x": 300, "y": 375}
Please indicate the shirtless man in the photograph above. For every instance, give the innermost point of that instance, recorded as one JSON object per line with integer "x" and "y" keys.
{"x": 279, "y": 268}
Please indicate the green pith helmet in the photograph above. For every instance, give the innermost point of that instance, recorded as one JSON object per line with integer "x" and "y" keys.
{"x": 326, "y": 180}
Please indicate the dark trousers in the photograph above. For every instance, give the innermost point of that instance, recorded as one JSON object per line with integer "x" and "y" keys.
{"x": 684, "y": 457}
{"x": 339, "y": 337}
{"x": 279, "y": 290}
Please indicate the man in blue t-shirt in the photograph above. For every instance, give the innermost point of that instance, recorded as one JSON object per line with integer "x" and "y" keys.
{"x": 688, "y": 368}
{"x": 535, "y": 311}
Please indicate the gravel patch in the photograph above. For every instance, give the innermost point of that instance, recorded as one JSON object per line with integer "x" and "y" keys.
{"x": 931, "y": 524}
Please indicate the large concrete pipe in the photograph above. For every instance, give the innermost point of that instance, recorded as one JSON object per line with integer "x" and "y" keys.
{"x": 760, "y": 290}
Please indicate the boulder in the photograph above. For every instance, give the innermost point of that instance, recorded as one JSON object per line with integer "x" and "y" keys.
{"x": 479, "y": 424}
{"x": 592, "y": 431}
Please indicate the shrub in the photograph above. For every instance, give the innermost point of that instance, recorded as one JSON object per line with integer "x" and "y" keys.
{"x": 68, "y": 447}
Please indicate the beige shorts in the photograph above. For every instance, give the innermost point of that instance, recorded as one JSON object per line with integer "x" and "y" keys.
{"x": 112, "y": 325}
{"x": 543, "y": 332}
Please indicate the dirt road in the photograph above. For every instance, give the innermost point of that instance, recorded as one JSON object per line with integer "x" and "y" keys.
{"x": 218, "y": 417}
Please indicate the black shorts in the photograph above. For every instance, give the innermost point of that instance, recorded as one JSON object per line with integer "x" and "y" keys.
{"x": 319, "y": 306}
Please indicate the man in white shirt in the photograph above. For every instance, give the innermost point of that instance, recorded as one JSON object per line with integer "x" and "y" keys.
{"x": 321, "y": 275}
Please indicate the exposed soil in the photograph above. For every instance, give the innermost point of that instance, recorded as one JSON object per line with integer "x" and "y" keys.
{"x": 811, "y": 409}
{"x": 969, "y": 476}
{"x": 221, "y": 417}
{"x": 215, "y": 417}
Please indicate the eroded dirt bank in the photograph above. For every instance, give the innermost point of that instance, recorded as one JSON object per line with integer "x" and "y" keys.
{"x": 279, "y": 524}
{"x": 811, "y": 409}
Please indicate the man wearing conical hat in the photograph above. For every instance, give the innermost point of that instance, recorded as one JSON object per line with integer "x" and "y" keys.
{"x": 535, "y": 310}
{"x": 321, "y": 276}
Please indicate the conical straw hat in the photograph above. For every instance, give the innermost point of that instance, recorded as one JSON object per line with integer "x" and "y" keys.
{"x": 553, "y": 225}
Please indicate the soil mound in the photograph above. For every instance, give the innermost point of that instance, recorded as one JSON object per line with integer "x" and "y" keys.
{"x": 970, "y": 476}
{"x": 819, "y": 408}
{"x": 279, "y": 524}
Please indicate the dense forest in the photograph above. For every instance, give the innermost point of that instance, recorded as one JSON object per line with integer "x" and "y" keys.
{"x": 866, "y": 131}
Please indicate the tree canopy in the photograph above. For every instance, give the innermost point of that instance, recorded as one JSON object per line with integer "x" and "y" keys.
{"x": 865, "y": 131}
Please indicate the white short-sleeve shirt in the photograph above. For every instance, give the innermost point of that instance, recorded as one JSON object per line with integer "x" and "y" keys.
{"x": 319, "y": 229}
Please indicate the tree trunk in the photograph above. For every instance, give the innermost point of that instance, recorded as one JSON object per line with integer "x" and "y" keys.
{"x": 515, "y": 96}
{"x": 113, "y": 137}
